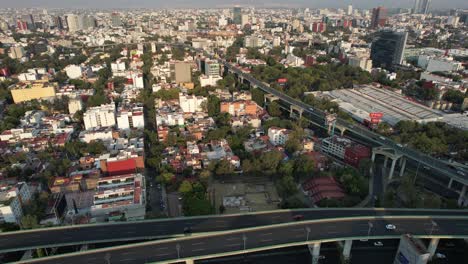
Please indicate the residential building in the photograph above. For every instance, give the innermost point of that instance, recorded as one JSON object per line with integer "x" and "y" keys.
{"x": 12, "y": 200}
{"x": 121, "y": 195}
{"x": 345, "y": 149}
{"x": 16, "y": 52}
{"x": 99, "y": 116}
{"x": 209, "y": 80}
{"x": 116, "y": 20}
{"x": 191, "y": 103}
{"x": 37, "y": 90}
{"x": 278, "y": 136}
{"x": 318, "y": 27}
{"x": 212, "y": 68}
{"x": 73, "y": 23}
{"x": 75, "y": 105}
{"x": 130, "y": 118}
{"x": 364, "y": 63}
{"x": 253, "y": 41}
{"x": 239, "y": 108}
{"x": 181, "y": 72}
{"x": 324, "y": 187}
{"x": 388, "y": 48}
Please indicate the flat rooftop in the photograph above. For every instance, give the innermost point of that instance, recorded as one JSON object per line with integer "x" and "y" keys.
{"x": 394, "y": 106}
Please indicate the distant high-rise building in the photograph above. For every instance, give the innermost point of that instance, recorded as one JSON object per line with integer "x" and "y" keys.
{"x": 73, "y": 23}
{"x": 350, "y": 10}
{"x": 388, "y": 48}
{"x": 29, "y": 21}
{"x": 379, "y": 17}
{"x": 58, "y": 21}
{"x": 21, "y": 25}
{"x": 421, "y": 6}
{"x": 181, "y": 72}
{"x": 116, "y": 21}
{"x": 237, "y": 15}
{"x": 88, "y": 22}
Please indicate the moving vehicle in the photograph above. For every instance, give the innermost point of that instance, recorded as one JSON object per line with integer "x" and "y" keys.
{"x": 378, "y": 244}
{"x": 390, "y": 227}
{"x": 298, "y": 217}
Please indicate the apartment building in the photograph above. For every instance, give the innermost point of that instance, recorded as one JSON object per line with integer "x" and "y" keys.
{"x": 100, "y": 116}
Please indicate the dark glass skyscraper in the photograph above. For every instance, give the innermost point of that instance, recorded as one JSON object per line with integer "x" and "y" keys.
{"x": 237, "y": 15}
{"x": 388, "y": 48}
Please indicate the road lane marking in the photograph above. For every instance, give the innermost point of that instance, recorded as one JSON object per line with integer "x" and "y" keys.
{"x": 299, "y": 236}
{"x": 127, "y": 253}
{"x": 266, "y": 234}
{"x": 333, "y": 232}
{"x": 266, "y": 240}
{"x": 127, "y": 259}
{"x": 198, "y": 243}
{"x": 233, "y": 238}
{"x": 233, "y": 245}
{"x": 198, "y": 249}
{"x": 299, "y": 230}
{"x": 163, "y": 248}
{"x": 162, "y": 255}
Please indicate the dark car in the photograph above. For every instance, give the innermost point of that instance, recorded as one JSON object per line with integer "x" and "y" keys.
{"x": 187, "y": 230}
{"x": 298, "y": 217}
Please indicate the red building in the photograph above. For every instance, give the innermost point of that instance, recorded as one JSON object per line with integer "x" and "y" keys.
{"x": 309, "y": 60}
{"x": 319, "y": 27}
{"x": 21, "y": 25}
{"x": 119, "y": 167}
{"x": 323, "y": 188}
{"x": 379, "y": 17}
{"x": 355, "y": 153}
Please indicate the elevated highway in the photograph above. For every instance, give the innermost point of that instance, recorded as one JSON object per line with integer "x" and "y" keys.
{"x": 164, "y": 228}
{"x": 249, "y": 240}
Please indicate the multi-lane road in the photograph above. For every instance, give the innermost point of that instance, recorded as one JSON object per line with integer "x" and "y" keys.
{"x": 74, "y": 235}
{"x": 252, "y": 239}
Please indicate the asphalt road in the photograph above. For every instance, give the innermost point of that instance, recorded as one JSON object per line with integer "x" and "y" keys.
{"x": 13, "y": 241}
{"x": 172, "y": 249}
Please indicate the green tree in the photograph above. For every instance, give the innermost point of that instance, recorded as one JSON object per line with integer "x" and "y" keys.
{"x": 29, "y": 222}
{"x": 274, "y": 109}
{"x": 213, "y": 105}
{"x": 185, "y": 187}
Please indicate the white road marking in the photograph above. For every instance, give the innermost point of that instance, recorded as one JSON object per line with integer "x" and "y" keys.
{"x": 266, "y": 240}
{"x": 233, "y": 245}
{"x": 299, "y": 230}
{"x": 161, "y": 255}
{"x": 127, "y": 259}
{"x": 163, "y": 248}
{"x": 233, "y": 238}
{"x": 198, "y": 249}
{"x": 266, "y": 234}
{"x": 198, "y": 243}
{"x": 127, "y": 253}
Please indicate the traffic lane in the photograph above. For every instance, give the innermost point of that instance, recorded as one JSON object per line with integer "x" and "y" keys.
{"x": 234, "y": 241}
{"x": 131, "y": 230}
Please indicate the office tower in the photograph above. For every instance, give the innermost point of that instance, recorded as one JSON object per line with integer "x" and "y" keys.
{"x": 116, "y": 21}
{"x": 379, "y": 17}
{"x": 350, "y": 10}
{"x": 237, "y": 15}
{"x": 29, "y": 21}
{"x": 212, "y": 68}
{"x": 421, "y": 6}
{"x": 388, "y": 48}
{"x": 58, "y": 21}
{"x": 21, "y": 25}
{"x": 73, "y": 24}
{"x": 88, "y": 22}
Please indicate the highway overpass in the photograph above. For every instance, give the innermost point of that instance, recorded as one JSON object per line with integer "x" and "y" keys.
{"x": 248, "y": 240}
{"x": 454, "y": 174}
{"x": 163, "y": 228}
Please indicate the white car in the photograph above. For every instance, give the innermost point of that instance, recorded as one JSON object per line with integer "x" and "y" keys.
{"x": 390, "y": 227}
{"x": 399, "y": 145}
{"x": 378, "y": 244}
{"x": 440, "y": 255}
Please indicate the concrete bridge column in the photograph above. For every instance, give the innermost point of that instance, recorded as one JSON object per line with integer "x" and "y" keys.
{"x": 347, "y": 249}
{"x": 385, "y": 162}
{"x": 402, "y": 166}
{"x": 314, "y": 250}
{"x": 392, "y": 169}
{"x": 433, "y": 247}
{"x": 461, "y": 198}
{"x": 450, "y": 183}
{"x": 373, "y": 156}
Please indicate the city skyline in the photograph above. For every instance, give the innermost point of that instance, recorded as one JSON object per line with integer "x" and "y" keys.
{"x": 228, "y": 3}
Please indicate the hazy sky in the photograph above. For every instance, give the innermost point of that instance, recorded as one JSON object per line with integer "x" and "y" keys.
{"x": 442, "y": 4}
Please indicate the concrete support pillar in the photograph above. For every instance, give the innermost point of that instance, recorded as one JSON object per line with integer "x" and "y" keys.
{"x": 433, "y": 247}
{"x": 385, "y": 162}
{"x": 402, "y": 166}
{"x": 461, "y": 198}
{"x": 373, "y": 157}
{"x": 392, "y": 169}
{"x": 450, "y": 183}
{"x": 347, "y": 249}
{"x": 314, "y": 250}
